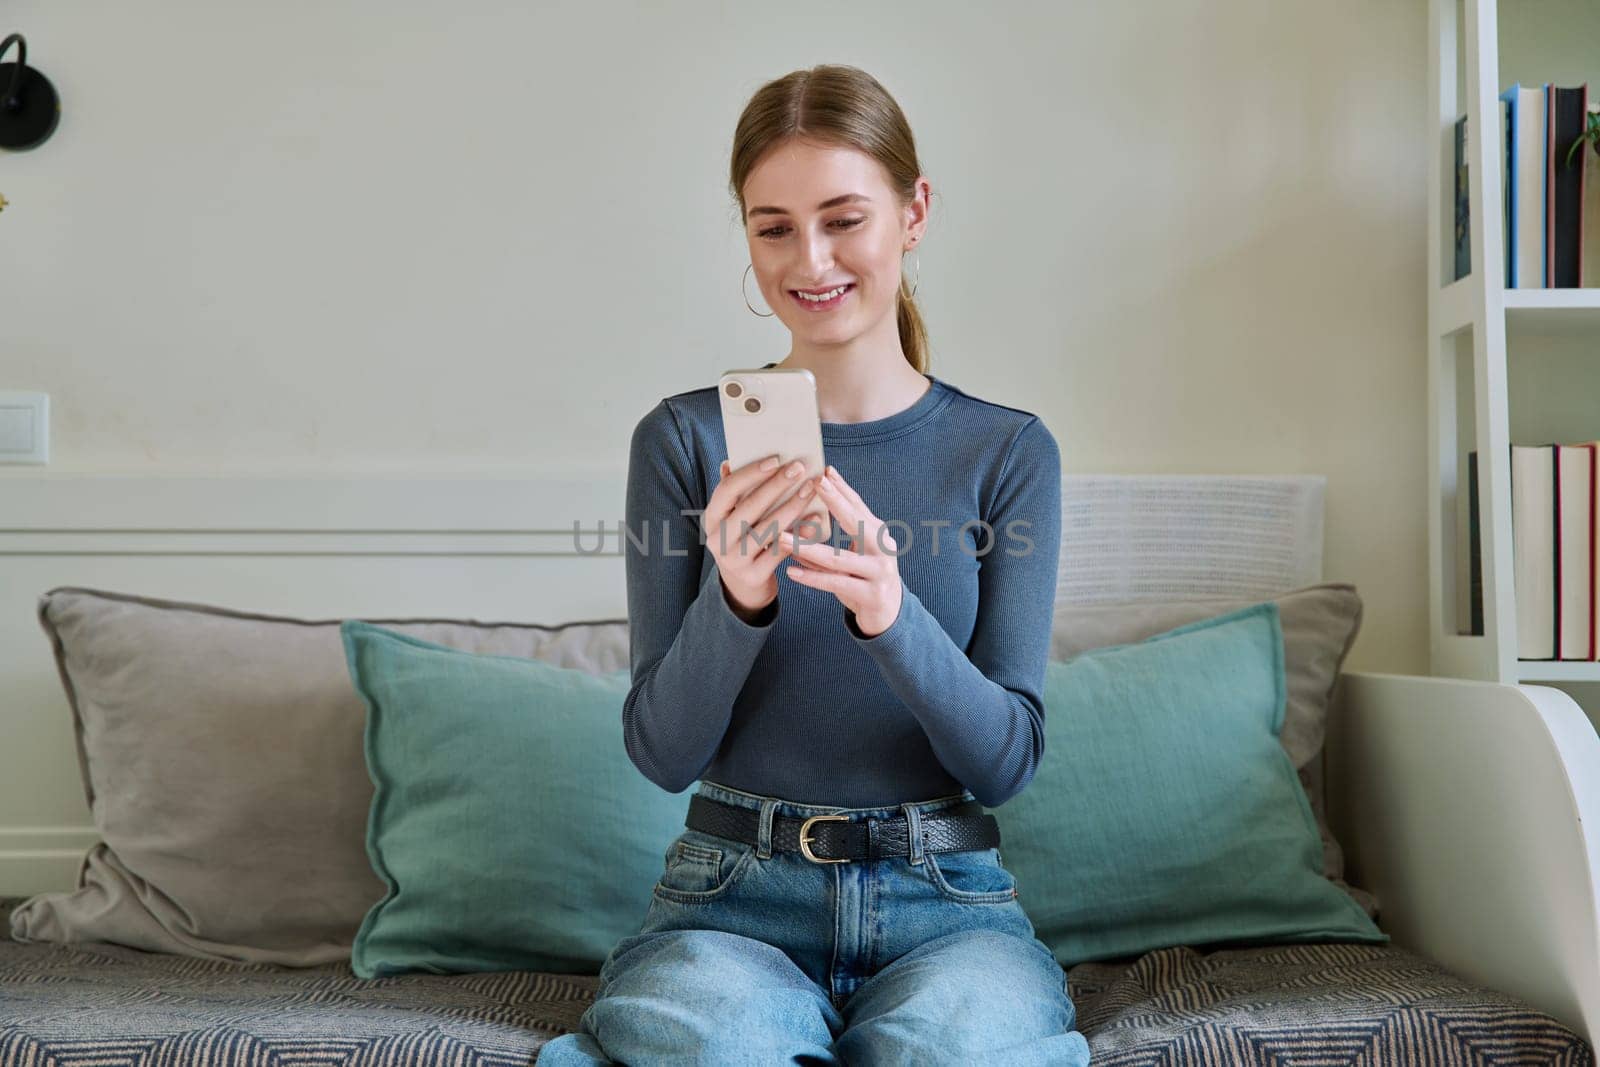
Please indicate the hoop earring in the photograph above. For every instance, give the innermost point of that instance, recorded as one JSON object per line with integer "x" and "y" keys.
{"x": 918, "y": 277}
{"x": 746, "y": 295}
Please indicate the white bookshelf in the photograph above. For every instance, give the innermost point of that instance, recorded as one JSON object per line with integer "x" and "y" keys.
{"x": 1491, "y": 376}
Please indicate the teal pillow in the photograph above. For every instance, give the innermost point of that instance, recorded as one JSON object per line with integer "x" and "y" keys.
{"x": 511, "y": 829}
{"x": 1165, "y": 811}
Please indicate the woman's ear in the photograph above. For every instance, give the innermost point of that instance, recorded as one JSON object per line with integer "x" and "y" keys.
{"x": 917, "y": 210}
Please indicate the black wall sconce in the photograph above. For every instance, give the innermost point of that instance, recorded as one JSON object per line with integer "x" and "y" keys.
{"x": 29, "y": 106}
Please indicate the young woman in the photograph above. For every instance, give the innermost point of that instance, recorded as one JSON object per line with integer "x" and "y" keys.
{"x": 850, "y": 699}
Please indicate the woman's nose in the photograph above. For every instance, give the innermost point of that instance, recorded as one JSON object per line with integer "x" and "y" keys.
{"x": 817, "y": 254}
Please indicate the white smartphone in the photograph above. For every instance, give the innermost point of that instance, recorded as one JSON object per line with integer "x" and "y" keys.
{"x": 773, "y": 410}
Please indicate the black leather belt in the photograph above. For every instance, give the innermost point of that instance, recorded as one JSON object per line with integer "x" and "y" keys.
{"x": 836, "y": 839}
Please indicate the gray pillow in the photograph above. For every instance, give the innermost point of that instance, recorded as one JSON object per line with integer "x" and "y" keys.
{"x": 1320, "y": 623}
{"x": 221, "y": 755}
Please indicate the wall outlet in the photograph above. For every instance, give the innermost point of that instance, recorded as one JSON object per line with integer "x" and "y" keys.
{"x": 24, "y": 427}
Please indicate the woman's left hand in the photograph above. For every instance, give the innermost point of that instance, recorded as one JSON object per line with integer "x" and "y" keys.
{"x": 865, "y": 577}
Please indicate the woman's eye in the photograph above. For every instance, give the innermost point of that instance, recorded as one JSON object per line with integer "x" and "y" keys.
{"x": 842, "y": 224}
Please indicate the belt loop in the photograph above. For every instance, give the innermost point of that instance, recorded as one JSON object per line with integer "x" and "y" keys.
{"x": 764, "y": 830}
{"x": 913, "y": 831}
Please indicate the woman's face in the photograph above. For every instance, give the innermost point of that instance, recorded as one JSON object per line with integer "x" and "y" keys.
{"x": 818, "y": 218}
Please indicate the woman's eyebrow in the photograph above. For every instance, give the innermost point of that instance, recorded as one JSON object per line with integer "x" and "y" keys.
{"x": 847, "y": 198}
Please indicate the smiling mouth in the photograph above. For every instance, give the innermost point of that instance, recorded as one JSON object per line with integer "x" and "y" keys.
{"x": 822, "y": 298}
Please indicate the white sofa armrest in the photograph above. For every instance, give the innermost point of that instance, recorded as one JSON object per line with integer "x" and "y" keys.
{"x": 1472, "y": 809}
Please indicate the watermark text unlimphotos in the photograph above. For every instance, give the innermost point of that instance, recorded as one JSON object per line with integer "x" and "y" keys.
{"x": 894, "y": 537}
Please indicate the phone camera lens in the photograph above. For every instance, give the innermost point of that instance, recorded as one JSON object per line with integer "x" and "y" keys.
{"x": 752, "y": 404}
{"x": 732, "y": 389}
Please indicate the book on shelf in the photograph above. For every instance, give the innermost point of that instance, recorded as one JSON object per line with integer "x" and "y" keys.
{"x": 1475, "y": 550}
{"x": 1463, "y": 203}
{"x": 1508, "y": 232}
{"x": 1549, "y": 205}
{"x": 1533, "y": 548}
{"x": 1525, "y": 159}
{"x": 1574, "y": 580}
{"x": 1555, "y": 548}
{"x": 1567, "y": 109}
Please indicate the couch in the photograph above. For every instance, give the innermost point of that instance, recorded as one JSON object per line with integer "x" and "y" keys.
{"x": 1180, "y": 1005}
{"x": 1458, "y": 809}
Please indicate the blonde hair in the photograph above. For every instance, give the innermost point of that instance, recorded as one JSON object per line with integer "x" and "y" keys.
{"x": 833, "y": 104}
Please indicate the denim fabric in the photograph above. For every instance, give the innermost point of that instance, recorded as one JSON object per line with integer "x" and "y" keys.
{"x": 750, "y": 956}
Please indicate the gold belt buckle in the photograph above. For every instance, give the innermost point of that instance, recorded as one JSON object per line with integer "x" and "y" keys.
{"x": 805, "y": 839}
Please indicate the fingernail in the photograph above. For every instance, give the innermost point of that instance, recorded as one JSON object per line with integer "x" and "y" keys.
{"x": 770, "y": 463}
{"x": 805, "y": 491}
{"x": 794, "y": 469}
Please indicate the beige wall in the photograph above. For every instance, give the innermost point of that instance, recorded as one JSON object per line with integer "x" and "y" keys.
{"x": 361, "y": 236}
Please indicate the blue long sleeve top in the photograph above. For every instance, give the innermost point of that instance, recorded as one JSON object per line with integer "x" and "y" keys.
{"x": 800, "y": 704}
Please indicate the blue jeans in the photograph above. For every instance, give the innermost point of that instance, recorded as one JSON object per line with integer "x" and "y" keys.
{"x": 750, "y": 956}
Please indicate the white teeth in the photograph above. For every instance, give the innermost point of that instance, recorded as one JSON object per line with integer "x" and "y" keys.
{"x": 829, "y": 295}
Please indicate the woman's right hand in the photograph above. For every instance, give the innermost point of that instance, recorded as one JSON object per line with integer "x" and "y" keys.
{"x": 739, "y": 505}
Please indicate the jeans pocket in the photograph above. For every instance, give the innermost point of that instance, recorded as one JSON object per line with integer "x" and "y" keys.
{"x": 701, "y": 867}
{"x": 971, "y": 876}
